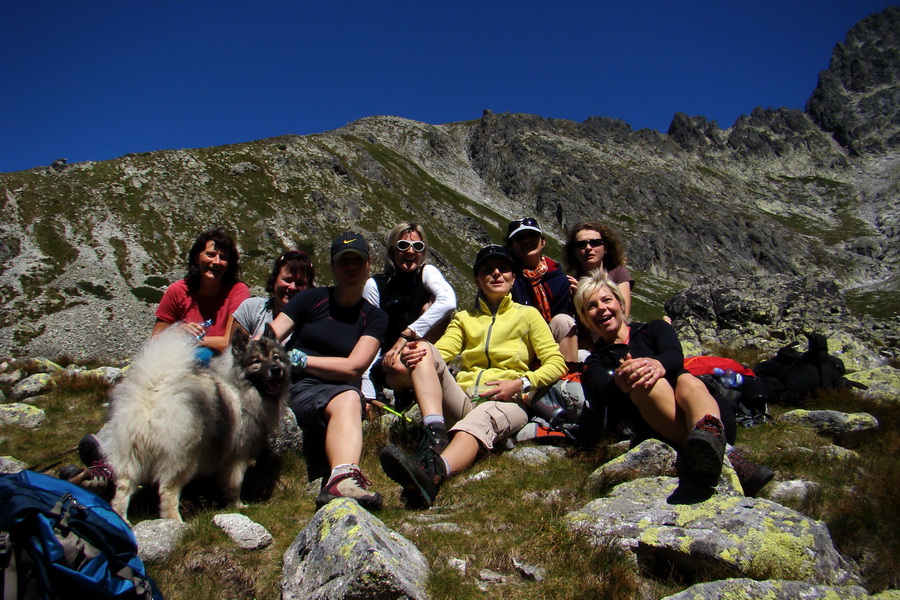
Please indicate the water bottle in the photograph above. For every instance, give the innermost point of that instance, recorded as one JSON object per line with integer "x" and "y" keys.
{"x": 729, "y": 378}
{"x": 205, "y": 325}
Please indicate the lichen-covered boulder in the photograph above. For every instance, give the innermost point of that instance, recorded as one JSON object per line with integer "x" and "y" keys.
{"x": 725, "y": 534}
{"x": 22, "y": 415}
{"x": 648, "y": 459}
{"x": 727, "y": 589}
{"x": 844, "y": 427}
{"x": 883, "y": 382}
{"x": 347, "y": 552}
{"x": 8, "y": 464}
{"x": 32, "y": 386}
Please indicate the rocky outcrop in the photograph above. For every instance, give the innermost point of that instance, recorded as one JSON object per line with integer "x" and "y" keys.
{"x": 858, "y": 98}
{"x": 87, "y": 249}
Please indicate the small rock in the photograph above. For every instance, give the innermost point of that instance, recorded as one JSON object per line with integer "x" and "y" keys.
{"x": 491, "y": 576}
{"x": 457, "y": 564}
{"x": 842, "y": 426}
{"x": 478, "y": 476}
{"x": 157, "y": 538}
{"x": 245, "y": 532}
{"x": 837, "y": 453}
{"x": 8, "y": 464}
{"x": 529, "y": 572}
{"x": 22, "y": 415}
{"x": 31, "y": 386}
{"x": 795, "y": 490}
{"x": 13, "y": 377}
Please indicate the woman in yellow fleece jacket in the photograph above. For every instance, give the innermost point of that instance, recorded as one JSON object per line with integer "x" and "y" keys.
{"x": 498, "y": 341}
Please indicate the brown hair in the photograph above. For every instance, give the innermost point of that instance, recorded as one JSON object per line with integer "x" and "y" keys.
{"x": 612, "y": 258}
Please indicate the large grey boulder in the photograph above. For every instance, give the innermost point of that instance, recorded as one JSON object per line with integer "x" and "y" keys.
{"x": 346, "y": 552}
{"x": 841, "y": 426}
{"x": 726, "y": 534}
{"x": 781, "y": 589}
{"x": 245, "y": 532}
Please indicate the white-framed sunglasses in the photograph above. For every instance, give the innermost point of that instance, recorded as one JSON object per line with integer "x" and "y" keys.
{"x": 404, "y": 245}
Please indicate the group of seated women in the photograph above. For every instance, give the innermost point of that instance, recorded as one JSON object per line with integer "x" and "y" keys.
{"x": 531, "y": 323}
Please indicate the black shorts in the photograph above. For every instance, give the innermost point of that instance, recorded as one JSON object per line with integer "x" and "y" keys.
{"x": 309, "y": 397}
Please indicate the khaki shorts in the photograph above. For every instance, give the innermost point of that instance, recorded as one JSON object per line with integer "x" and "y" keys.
{"x": 488, "y": 422}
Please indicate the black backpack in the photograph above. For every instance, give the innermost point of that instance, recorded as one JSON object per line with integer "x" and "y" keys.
{"x": 791, "y": 376}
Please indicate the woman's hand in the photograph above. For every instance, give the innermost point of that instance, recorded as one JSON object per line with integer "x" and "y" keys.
{"x": 505, "y": 390}
{"x": 638, "y": 373}
{"x": 393, "y": 355}
{"x": 194, "y": 329}
{"x": 573, "y": 284}
{"x": 412, "y": 354}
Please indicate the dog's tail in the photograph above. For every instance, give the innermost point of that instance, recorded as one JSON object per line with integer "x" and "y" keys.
{"x": 171, "y": 351}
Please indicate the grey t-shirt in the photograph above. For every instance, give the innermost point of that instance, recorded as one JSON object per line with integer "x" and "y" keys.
{"x": 253, "y": 314}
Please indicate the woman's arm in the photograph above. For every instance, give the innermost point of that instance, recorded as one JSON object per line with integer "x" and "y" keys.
{"x": 338, "y": 368}
{"x": 282, "y": 325}
{"x": 553, "y": 365}
{"x": 441, "y": 307}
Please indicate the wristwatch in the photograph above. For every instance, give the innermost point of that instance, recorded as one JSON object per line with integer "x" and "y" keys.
{"x": 526, "y": 385}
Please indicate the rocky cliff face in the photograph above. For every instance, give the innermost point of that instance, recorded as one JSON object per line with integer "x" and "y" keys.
{"x": 86, "y": 249}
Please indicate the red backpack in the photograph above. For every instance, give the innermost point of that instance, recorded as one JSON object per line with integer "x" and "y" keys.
{"x": 704, "y": 365}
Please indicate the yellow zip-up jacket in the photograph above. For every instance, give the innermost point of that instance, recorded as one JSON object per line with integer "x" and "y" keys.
{"x": 503, "y": 345}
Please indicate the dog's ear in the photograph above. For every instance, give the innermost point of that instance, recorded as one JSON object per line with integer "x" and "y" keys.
{"x": 239, "y": 340}
{"x": 269, "y": 333}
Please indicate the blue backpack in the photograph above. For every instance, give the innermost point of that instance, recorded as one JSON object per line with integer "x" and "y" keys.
{"x": 58, "y": 540}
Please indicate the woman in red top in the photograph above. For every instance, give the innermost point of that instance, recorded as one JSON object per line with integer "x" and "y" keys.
{"x": 211, "y": 291}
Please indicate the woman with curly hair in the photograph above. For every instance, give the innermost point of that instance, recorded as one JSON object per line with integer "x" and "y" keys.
{"x": 589, "y": 246}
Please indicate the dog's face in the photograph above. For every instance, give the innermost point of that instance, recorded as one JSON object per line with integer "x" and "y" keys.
{"x": 264, "y": 361}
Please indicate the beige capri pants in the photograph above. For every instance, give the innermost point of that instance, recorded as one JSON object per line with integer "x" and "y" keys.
{"x": 489, "y": 421}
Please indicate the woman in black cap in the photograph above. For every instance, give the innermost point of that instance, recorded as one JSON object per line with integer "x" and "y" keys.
{"x": 497, "y": 342}
{"x": 336, "y": 334}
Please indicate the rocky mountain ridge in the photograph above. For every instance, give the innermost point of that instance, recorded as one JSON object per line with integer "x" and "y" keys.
{"x": 86, "y": 249}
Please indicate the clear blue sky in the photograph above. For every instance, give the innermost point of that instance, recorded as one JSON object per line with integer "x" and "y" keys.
{"x": 97, "y": 79}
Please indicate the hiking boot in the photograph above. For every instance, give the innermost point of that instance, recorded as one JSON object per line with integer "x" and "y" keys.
{"x": 97, "y": 478}
{"x": 700, "y": 459}
{"x": 753, "y": 477}
{"x": 420, "y": 477}
{"x": 351, "y": 484}
{"x": 90, "y": 449}
{"x": 434, "y": 439}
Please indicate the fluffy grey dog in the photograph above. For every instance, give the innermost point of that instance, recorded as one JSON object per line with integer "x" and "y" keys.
{"x": 171, "y": 418}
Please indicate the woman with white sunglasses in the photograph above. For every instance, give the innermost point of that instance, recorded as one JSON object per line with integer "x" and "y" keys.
{"x": 417, "y": 298}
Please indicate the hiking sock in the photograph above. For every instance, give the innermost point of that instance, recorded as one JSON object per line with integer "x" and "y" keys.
{"x": 340, "y": 470}
{"x": 447, "y": 470}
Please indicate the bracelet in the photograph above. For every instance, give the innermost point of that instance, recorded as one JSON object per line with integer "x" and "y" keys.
{"x": 409, "y": 338}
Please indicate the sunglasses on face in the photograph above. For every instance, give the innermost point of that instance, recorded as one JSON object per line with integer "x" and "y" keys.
{"x": 594, "y": 243}
{"x": 404, "y": 245}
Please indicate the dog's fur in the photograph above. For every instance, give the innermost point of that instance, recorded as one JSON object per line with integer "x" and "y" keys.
{"x": 171, "y": 418}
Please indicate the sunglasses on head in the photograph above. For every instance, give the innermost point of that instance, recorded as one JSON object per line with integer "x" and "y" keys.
{"x": 594, "y": 243}
{"x": 291, "y": 255}
{"x": 404, "y": 245}
{"x": 527, "y": 222}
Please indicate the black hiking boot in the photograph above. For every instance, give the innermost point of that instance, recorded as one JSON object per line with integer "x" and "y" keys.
{"x": 420, "y": 477}
{"x": 700, "y": 459}
{"x": 753, "y": 477}
{"x": 434, "y": 438}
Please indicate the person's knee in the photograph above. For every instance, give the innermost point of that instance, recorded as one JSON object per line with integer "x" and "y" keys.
{"x": 562, "y": 326}
{"x": 345, "y": 403}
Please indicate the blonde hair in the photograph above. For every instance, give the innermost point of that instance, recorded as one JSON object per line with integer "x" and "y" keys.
{"x": 589, "y": 285}
{"x": 394, "y": 236}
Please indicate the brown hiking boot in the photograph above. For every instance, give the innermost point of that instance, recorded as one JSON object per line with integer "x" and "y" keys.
{"x": 700, "y": 459}
{"x": 753, "y": 477}
{"x": 97, "y": 478}
{"x": 351, "y": 484}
